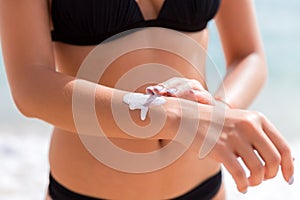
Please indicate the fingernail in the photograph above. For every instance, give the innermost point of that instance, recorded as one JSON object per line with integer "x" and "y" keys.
{"x": 171, "y": 91}
{"x": 193, "y": 91}
{"x": 245, "y": 192}
{"x": 196, "y": 92}
{"x": 158, "y": 88}
{"x": 293, "y": 159}
{"x": 291, "y": 180}
{"x": 149, "y": 90}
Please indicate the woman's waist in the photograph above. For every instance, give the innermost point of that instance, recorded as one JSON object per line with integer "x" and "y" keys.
{"x": 74, "y": 166}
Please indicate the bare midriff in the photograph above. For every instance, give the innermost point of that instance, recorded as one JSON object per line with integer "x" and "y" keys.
{"x": 74, "y": 167}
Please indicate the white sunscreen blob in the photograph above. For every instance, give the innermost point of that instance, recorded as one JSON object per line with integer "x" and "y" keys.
{"x": 143, "y": 102}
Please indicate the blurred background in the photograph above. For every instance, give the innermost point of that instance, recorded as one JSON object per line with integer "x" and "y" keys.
{"x": 24, "y": 142}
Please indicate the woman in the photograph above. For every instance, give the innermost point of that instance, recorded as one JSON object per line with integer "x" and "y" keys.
{"x": 42, "y": 78}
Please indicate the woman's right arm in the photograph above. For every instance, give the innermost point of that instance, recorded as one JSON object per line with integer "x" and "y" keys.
{"x": 37, "y": 89}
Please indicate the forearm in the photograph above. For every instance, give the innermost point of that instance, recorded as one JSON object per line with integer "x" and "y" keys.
{"x": 243, "y": 81}
{"x": 49, "y": 96}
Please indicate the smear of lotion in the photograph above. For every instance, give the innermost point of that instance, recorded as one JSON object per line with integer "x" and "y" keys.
{"x": 143, "y": 102}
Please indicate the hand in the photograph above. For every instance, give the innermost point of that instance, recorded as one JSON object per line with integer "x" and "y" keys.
{"x": 184, "y": 88}
{"x": 252, "y": 137}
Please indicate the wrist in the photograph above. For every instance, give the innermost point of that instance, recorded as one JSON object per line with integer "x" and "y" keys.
{"x": 188, "y": 114}
{"x": 171, "y": 112}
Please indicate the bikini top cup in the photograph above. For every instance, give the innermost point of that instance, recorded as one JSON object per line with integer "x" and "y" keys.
{"x": 89, "y": 22}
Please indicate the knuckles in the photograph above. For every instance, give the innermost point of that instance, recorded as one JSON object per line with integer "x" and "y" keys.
{"x": 257, "y": 169}
{"x": 286, "y": 151}
{"x": 252, "y": 117}
{"x": 256, "y": 181}
{"x": 239, "y": 173}
{"x": 271, "y": 175}
{"x": 251, "y": 121}
{"x": 221, "y": 145}
{"x": 275, "y": 160}
{"x": 260, "y": 115}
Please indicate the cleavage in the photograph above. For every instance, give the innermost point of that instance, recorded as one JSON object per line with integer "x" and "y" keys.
{"x": 150, "y": 9}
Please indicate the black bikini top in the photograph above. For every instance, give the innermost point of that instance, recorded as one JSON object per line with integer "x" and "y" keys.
{"x": 89, "y": 22}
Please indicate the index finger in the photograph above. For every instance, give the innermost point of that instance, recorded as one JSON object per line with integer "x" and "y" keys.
{"x": 287, "y": 165}
{"x": 161, "y": 88}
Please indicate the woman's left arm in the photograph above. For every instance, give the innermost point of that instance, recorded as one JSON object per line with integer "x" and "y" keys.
{"x": 243, "y": 49}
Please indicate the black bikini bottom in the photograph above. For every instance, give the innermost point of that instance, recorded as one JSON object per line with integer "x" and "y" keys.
{"x": 205, "y": 191}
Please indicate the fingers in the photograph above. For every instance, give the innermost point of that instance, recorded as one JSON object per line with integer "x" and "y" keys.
{"x": 256, "y": 133}
{"x": 163, "y": 87}
{"x": 175, "y": 85}
{"x": 189, "y": 89}
{"x": 236, "y": 170}
{"x": 203, "y": 97}
{"x": 287, "y": 165}
{"x": 248, "y": 135}
{"x": 272, "y": 148}
{"x": 251, "y": 160}
{"x": 268, "y": 153}
{"x": 191, "y": 92}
